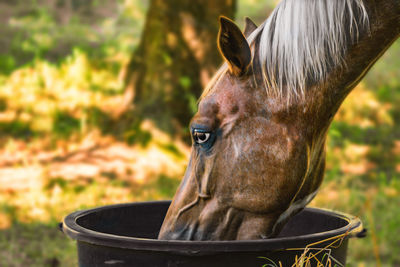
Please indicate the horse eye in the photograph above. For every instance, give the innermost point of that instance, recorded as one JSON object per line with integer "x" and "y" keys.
{"x": 201, "y": 137}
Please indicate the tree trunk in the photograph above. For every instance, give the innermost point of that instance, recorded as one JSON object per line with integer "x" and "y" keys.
{"x": 176, "y": 57}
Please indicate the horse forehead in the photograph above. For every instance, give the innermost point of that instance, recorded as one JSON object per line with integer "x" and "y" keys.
{"x": 230, "y": 98}
{"x": 208, "y": 106}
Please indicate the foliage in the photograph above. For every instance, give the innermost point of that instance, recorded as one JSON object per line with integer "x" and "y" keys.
{"x": 40, "y": 29}
{"x": 257, "y": 10}
{"x": 45, "y": 99}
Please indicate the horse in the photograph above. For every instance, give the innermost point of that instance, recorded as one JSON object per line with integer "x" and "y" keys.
{"x": 258, "y": 153}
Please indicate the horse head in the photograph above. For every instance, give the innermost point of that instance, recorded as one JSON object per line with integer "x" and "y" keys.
{"x": 258, "y": 137}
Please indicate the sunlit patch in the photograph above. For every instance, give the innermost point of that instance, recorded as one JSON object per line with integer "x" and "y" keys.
{"x": 75, "y": 88}
{"x": 5, "y": 221}
{"x": 42, "y": 185}
{"x": 363, "y": 108}
{"x": 21, "y": 178}
{"x": 391, "y": 192}
{"x": 396, "y": 147}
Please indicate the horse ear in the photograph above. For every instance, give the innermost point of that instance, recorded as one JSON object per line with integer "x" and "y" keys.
{"x": 249, "y": 27}
{"x": 233, "y": 47}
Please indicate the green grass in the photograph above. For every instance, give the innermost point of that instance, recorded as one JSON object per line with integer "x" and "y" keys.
{"x": 36, "y": 245}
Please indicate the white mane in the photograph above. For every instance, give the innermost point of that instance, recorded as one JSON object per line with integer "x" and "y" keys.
{"x": 302, "y": 40}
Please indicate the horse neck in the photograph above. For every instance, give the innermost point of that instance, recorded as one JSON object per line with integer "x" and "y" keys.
{"x": 384, "y": 29}
{"x": 312, "y": 115}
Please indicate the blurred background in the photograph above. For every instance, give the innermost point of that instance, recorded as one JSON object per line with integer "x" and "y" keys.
{"x": 95, "y": 99}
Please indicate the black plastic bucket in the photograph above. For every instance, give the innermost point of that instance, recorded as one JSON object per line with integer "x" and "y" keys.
{"x": 125, "y": 235}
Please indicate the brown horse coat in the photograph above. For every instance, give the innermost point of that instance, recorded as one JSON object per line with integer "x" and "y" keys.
{"x": 259, "y": 134}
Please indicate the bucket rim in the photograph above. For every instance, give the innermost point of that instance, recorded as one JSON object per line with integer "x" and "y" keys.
{"x": 72, "y": 229}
